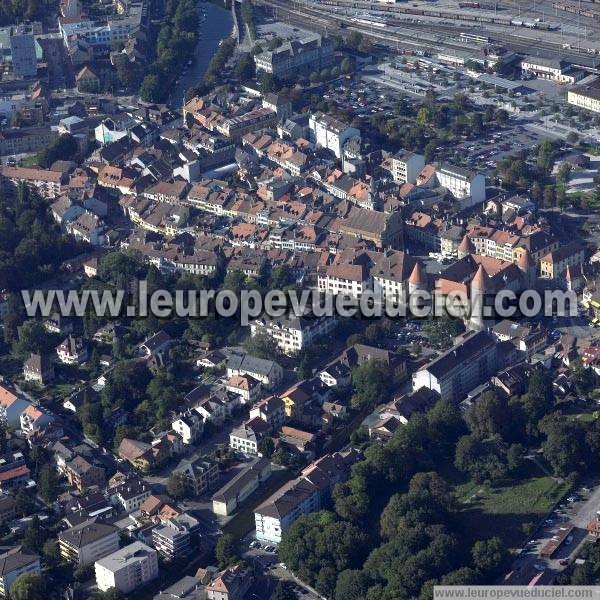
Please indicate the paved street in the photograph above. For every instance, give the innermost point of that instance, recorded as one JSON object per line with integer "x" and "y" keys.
{"x": 578, "y": 514}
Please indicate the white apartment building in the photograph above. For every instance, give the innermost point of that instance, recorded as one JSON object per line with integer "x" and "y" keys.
{"x": 406, "y": 166}
{"x": 247, "y": 437}
{"x": 329, "y": 133}
{"x": 305, "y": 494}
{"x": 87, "y": 542}
{"x": 461, "y": 368}
{"x": 273, "y": 517}
{"x": 464, "y": 185}
{"x": 292, "y": 333}
{"x": 347, "y": 279}
{"x": 127, "y": 569}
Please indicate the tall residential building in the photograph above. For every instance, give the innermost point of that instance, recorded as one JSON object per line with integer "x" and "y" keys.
{"x": 329, "y": 133}
{"x": 406, "y": 166}
{"x": 22, "y": 47}
{"x": 457, "y": 371}
{"x": 464, "y": 185}
{"x": 308, "y": 493}
{"x": 127, "y": 569}
{"x": 85, "y": 543}
{"x": 173, "y": 538}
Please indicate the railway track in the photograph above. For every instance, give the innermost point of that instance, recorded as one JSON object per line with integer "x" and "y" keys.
{"x": 521, "y": 42}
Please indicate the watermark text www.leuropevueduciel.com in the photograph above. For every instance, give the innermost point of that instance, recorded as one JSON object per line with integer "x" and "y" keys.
{"x": 251, "y": 304}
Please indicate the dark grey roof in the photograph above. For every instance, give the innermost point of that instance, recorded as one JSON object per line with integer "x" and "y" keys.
{"x": 241, "y": 480}
{"x": 252, "y": 364}
{"x": 14, "y": 559}
{"x": 463, "y": 352}
{"x": 86, "y": 533}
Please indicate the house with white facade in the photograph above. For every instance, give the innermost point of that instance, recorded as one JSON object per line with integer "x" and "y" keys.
{"x": 330, "y": 133}
{"x": 464, "y": 185}
{"x": 127, "y": 569}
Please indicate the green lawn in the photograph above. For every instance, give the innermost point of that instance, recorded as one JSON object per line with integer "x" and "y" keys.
{"x": 505, "y": 509}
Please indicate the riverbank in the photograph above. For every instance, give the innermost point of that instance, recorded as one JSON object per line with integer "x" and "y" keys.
{"x": 216, "y": 25}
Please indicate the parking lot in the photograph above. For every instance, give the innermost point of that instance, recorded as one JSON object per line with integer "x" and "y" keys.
{"x": 578, "y": 509}
{"x": 263, "y": 556}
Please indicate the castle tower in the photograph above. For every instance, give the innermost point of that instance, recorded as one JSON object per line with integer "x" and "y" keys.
{"x": 479, "y": 287}
{"x": 416, "y": 281}
{"x": 526, "y": 265}
{"x": 466, "y": 247}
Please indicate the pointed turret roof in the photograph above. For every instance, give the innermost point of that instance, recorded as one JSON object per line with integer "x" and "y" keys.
{"x": 568, "y": 276}
{"x": 480, "y": 280}
{"x": 417, "y": 277}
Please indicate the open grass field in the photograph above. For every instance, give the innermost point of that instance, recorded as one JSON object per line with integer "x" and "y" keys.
{"x": 510, "y": 509}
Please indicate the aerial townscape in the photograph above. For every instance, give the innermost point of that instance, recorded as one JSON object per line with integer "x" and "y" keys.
{"x": 382, "y": 149}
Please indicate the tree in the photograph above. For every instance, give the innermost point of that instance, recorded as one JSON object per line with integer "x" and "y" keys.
{"x": 482, "y": 460}
{"x": 51, "y": 553}
{"x": 244, "y": 68}
{"x": 110, "y": 594}
{"x": 515, "y": 457}
{"x": 128, "y": 72}
{"x": 268, "y": 83}
{"x": 285, "y": 591}
{"x": 151, "y": 89}
{"x": 178, "y": 486}
{"x": 24, "y": 503}
{"x": 564, "y": 173}
{"x": 119, "y": 268}
{"x": 441, "y": 331}
{"x": 48, "y": 483}
{"x": 32, "y": 338}
{"x": 423, "y": 116}
{"x": 316, "y": 547}
{"x": 501, "y": 116}
{"x": 28, "y": 586}
{"x": 64, "y": 148}
{"x": 581, "y": 377}
{"x": 83, "y": 573}
{"x": 354, "y": 39}
{"x": 262, "y": 345}
{"x": 564, "y": 447}
{"x": 372, "y": 384}
{"x": 572, "y": 137}
{"x": 351, "y": 585}
{"x": 346, "y": 66}
{"x": 35, "y": 535}
{"x": 489, "y": 416}
{"x": 225, "y": 551}
{"x": 266, "y": 447}
{"x": 489, "y": 556}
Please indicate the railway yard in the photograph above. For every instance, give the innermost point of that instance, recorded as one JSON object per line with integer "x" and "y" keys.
{"x": 549, "y": 29}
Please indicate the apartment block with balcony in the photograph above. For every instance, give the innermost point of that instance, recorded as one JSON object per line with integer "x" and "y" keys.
{"x": 87, "y": 542}
{"x": 127, "y": 569}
